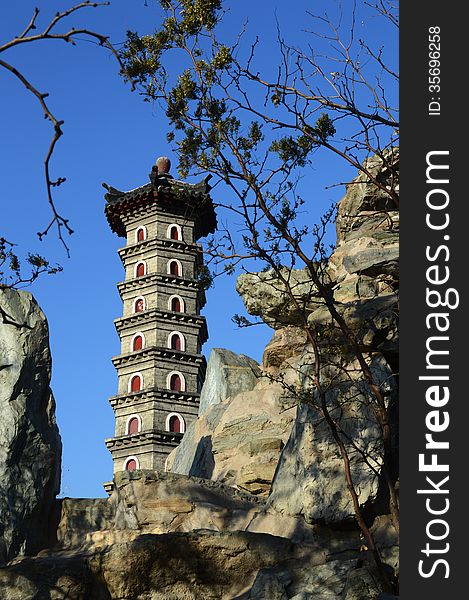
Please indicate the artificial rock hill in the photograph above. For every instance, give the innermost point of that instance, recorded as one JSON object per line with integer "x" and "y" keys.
{"x": 254, "y": 504}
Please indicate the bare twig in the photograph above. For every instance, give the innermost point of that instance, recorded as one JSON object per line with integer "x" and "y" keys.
{"x": 69, "y": 36}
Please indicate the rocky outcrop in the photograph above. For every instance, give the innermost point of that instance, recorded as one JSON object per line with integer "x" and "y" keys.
{"x": 242, "y": 427}
{"x": 239, "y": 441}
{"x": 227, "y": 374}
{"x": 268, "y": 297}
{"x": 310, "y": 477}
{"x": 362, "y": 275}
{"x": 367, "y": 210}
{"x": 81, "y": 518}
{"x": 256, "y": 505}
{"x": 195, "y": 565}
{"x": 30, "y": 446}
{"x": 163, "y": 536}
{"x": 363, "y": 266}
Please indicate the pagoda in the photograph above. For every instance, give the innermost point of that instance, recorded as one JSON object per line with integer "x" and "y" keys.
{"x": 160, "y": 368}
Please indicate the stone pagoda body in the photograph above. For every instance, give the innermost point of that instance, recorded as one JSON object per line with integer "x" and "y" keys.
{"x": 160, "y": 368}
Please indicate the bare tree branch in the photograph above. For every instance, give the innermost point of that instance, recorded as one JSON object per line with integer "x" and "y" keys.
{"x": 70, "y": 36}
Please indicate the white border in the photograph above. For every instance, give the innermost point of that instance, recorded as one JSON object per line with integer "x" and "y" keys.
{"x": 129, "y": 386}
{"x": 139, "y": 333}
{"x": 139, "y": 418}
{"x": 183, "y": 380}
{"x": 144, "y": 231}
{"x": 181, "y": 421}
{"x": 181, "y": 337}
{"x": 181, "y": 300}
{"x": 128, "y": 459}
{"x": 140, "y": 262}
{"x": 168, "y": 268}
{"x": 168, "y": 232}
{"x": 135, "y": 312}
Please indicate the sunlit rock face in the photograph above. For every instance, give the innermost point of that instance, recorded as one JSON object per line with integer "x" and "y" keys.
{"x": 163, "y": 536}
{"x": 363, "y": 279}
{"x": 30, "y": 445}
{"x": 242, "y": 427}
{"x": 256, "y": 504}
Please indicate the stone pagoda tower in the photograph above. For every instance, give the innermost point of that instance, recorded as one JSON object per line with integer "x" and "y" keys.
{"x": 160, "y": 368}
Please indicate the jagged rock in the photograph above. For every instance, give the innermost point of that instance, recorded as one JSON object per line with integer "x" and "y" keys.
{"x": 227, "y": 374}
{"x": 266, "y": 296}
{"x": 172, "y": 537}
{"x": 30, "y": 446}
{"x": 310, "y": 478}
{"x": 201, "y": 565}
{"x": 367, "y": 225}
{"x": 375, "y": 322}
{"x": 387, "y": 540}
{"x": 156, "y": 502}
{"x": 238, "y": 441}
{"x": 363, "y": 266}
{"x": 366, "y": 256}
{"x": 365, "y": 207}
{"x": 81, "y": 517}
{"x": 195, "y": 565}
{"x": 286, "y": 343}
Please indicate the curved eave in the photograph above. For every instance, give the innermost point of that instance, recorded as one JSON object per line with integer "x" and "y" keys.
{"x": 192, "y": 201}
{"x": 119, "y": 205}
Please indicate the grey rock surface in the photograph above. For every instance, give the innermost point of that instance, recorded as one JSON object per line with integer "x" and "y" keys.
{"x": 227, "y": 374}
{"x": 366, "y": 208}
{"x": 30, "y": 445}
{"x": 264, "y": 295}
{"x": 241, "y": 429}
{"x": 363, "y": 266}
{"x": 81, "y": 517}
{"x": 310, "y": 478}
{"x": 237, "y": 441}
{"x": 167, "y": 537}
{"x": 189, "y": 565}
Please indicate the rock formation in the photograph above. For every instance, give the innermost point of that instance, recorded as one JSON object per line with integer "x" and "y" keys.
{"x": 170, "y": 537}
{"x": 243, "y": 425}
{"x": 30, "y": 446}
{"x": 255, "y": 506}
{"x": 362, "y": 274}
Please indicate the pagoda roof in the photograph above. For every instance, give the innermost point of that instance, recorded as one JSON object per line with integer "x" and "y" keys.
{"x": 191, "y": 200}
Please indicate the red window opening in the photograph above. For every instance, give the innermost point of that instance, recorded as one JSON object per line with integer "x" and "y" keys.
{"x": 175, "y": 424}
{"x": 174, "y": 233}
{"x": 141, "y": 235}
{"x": 136, "y": 383}
{"x": 133, "y": 426}
{"x": 137, "y": 343}
{"x": 131, "y": 465}
{"x": 140, "y": 269}
{"x": 174, "y": 268}
{"x": 176, "y": 305}
{"x": 139, "y": 305}
{"x": 175, "y": 383}
{"x": 176, "y": 342}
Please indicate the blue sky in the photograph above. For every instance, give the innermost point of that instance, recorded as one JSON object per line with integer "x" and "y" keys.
{"x": 111, "y": 135}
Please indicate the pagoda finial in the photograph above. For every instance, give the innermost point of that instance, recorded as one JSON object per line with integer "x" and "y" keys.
{"x": 163, "y": 164}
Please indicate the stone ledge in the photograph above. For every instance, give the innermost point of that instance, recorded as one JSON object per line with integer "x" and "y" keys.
{"x": 142, "y": 437}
